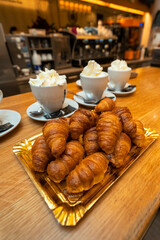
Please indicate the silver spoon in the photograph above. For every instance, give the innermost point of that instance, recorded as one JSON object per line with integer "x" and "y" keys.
{"x": 91, "y": 101}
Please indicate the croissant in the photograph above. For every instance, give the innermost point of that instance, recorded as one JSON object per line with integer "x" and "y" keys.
{"x": 89, "y": 172}
{"x": 104, "y": 105}
{"x": 129, "y": 126}
{"x": 41, "y": 154}
{"x": 58, "y": 169}
{"x": 81, "y": 121}
{"x": 122, "y": 148}
{"x": 139, "y": 137}
{"x": 56, "y": 132}
{"x": 108, "y": 128}
{"x": 91, "y": 141}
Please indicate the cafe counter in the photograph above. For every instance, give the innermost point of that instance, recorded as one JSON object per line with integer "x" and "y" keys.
{"x": 73, "y": 73}
{"x": 125, "y": 211}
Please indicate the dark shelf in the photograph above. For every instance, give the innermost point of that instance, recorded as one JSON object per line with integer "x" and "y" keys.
{"x": 40, "y": 49}
{"x": 38, "y": 36}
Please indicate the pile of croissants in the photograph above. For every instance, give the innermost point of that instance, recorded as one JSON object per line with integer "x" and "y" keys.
{"x": 79, "y": 149}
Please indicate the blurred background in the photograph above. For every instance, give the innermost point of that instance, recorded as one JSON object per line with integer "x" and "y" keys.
{"x": 64, "y": 35}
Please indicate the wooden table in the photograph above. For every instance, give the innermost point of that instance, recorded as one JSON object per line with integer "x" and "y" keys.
{"x": 123, "y": 212}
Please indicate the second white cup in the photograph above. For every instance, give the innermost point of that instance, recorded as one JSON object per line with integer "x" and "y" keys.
{"x": 94, "y": 87}
{"x": 118, "y": 78}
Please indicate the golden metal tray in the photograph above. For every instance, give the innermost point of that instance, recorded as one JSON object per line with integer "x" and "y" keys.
{"x": 69, "y": 209}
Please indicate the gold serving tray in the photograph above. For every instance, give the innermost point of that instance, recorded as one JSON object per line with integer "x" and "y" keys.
{"x": 69, "y": 209}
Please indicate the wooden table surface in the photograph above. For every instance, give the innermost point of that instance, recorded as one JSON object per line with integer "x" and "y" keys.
{"x": 123, "y": 212}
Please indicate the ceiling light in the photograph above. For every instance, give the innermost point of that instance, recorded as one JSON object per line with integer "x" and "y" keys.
{"x": 115, "y": 6}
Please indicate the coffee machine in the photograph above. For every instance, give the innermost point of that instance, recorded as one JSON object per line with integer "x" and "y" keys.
{"x": 91, "y": 47}
{"x": 101, "y": 49}
{"x": 19, "y": 53}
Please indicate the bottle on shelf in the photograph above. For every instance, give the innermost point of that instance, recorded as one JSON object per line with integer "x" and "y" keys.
{"x": 36, "y": 60}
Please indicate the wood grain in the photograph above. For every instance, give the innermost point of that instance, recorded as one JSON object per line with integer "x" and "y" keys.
{"x": 124, "y": 212}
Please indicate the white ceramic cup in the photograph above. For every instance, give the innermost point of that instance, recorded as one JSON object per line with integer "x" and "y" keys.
{"x": 25, "y": 71}
{"x": 49, "y": 56}
{"x": 44, "y": 57}
{"x": 51, "y": 98}
{"x": 118, "y": 78}
{"x": 94, "y": 87}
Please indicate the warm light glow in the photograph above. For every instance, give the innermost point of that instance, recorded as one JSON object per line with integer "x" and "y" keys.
{"x": 66, "y": 4}
{"x": 126, "y": 9}
{"x": 98, "y": 2}
{"x": 80, "y": 7}
{"x": 115, "y": 6}
{"x": 89, "y": 8}
{"x": 61, "y": 2}
{"x": 32, "y": 5}
{"x": 69, "y": 5}
{"x": 85, "y": 8}
{"x": 76, "y": 5}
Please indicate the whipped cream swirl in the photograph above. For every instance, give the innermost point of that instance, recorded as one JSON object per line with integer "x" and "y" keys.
{"x": 48, "y": 78}
{"x": 119, "y": 65}
{"x": 93, "y": 69}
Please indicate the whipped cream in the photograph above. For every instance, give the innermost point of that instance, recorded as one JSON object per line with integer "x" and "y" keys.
{"x": 119, "y": 65}
{"x": 48, "y": 78}
{"x": 93, "y": 69}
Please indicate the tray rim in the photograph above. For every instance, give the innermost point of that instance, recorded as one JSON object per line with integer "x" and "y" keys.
{"x": 77, "y": 212}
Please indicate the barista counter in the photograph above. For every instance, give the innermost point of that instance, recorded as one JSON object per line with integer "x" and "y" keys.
{"x": 124, "y": 212}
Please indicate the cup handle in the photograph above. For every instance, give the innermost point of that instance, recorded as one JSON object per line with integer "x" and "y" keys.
{"x": 65, "y": 92}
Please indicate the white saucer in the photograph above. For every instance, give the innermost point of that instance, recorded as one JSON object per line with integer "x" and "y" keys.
{"x": 78, "y": 82}
{"x": 119, "y": 93}
{"x": 36, "y": 106}
{"x": 80, "y": 101}
{"x": 9, "y": 116}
